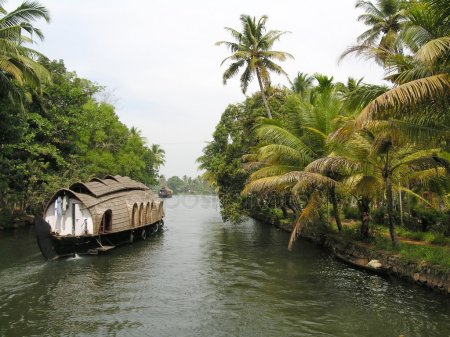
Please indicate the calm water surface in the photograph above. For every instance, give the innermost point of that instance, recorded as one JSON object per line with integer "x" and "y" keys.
{"x": 201, "y": 277}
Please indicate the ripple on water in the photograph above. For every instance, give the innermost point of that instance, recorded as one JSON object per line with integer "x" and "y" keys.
{"x": 201, "y": 277}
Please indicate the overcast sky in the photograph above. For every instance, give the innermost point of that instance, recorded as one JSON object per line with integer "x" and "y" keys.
{"x": 158, "y": 59}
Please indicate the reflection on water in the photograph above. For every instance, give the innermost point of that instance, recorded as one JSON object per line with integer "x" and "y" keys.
{"x": 201, "y": 277}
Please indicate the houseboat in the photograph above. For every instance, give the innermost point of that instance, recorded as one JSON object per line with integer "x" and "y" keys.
{"x": 165, "y": 192}
{"x": 97, "y": 216}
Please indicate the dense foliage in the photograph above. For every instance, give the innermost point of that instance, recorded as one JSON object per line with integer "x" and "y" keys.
{"x": 55, "y": 129}
{"x": 186, "y": 184}
{"x": 233, "y": 138}
{"x": 381, "y": 153}
{"x": 63, "y": 135}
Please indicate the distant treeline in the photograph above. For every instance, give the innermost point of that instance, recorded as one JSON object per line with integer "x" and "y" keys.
{"x": 186, "y": 185}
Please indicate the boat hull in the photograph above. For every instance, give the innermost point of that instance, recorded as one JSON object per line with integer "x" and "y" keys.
{"x": 53, "y": 246}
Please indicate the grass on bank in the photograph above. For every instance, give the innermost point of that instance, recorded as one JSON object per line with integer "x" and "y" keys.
{"x": 420, "y": 254}
{"x": 417, "y": 247}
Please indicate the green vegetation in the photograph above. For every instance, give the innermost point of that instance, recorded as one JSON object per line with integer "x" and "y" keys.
{"x": 186, "y": 184}
{"x": 252, "y": 50}
{"x": 18, "y": 66}
{"x": 55, "y": 130}
{"x": 379, "y": 154}
{"x": 420, "y": 254}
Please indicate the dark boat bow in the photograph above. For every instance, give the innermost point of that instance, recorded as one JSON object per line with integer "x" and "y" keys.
{"x": 44, "y": 240}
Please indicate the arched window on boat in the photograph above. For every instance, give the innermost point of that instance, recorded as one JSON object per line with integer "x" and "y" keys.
{"x": 152, "y": 211}
{"x": 106, "y": 223}
{"x": 147, "y": 213}
{"x": 161, "y": 210}
{"x": 141, "y": 215}
{"x": 135, "y": 215}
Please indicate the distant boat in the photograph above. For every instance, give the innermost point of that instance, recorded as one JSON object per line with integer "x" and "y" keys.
{"x": 97, "y": 216}
{"x": 165, "y": 192}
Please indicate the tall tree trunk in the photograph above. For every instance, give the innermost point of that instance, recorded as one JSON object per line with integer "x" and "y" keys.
{"x": 447, "y": 233}
{"x": 408, "y": 205}
{"x": 337, "y": 216}
{"x": 390, "y": 207}
{"x": 364, "y": 213}
{"x": 285, "y": 212}
{"x": 291, "y": 205}
{"x": 263, "y": 94}
{"x": 400, "y": 203}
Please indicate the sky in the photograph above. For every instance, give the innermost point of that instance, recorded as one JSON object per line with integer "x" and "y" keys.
{"x": 161, "y": 68}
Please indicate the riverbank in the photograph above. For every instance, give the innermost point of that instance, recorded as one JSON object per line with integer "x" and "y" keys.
{"x": 15, "y": 222}
{"x": 369, "y": 257}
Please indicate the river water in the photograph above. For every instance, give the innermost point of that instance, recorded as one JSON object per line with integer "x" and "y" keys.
{"x": 201, "y": 277}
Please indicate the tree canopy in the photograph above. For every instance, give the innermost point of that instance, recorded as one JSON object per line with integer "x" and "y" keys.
{"x": 377, "y": 149}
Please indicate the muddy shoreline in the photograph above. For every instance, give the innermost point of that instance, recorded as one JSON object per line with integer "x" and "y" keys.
{"x": 20, "y": 221}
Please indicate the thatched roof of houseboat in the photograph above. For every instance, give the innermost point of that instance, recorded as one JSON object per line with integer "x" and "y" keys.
{"x": 110, "y": 184}
{"x": 116, "y": 193}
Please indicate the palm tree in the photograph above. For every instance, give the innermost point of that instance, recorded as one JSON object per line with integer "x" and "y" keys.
{"x": 418, "y": 103}
{"x": 421, "y": 92}
{"x": 286, "y": 150}
{"x": 158, "y": 154}
{"x": 302, "y": 83}
{"x": 251, "y": 49}
{"x": 385, "y": 20}
{"x": 382, "y": 157}
{"x": 18, "y": 63}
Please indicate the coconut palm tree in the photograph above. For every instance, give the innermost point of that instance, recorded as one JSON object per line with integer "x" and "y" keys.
{"x": 382, "y": 157}
{"x": 18, "y": 65}
{"x": 302, "y": 83}
{"x": 251, "y": 50}
{"x": 385, "y": 19}
{"x": 371, "y": 165}
{"x": 285, "y": 150}
{"x": 421, "y": 91}
{"x": 158, "y": 154}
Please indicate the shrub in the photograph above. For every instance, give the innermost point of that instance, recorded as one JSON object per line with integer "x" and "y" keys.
{"x": 428, "y": 218}
{"x": 379, "y": 214}
{"x": 351, "y": 212}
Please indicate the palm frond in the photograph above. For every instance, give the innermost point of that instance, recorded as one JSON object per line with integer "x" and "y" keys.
{"x": 271, "y": 183}
{"x": 367, "y": 186}
{"x": 310, "y": 181}
{"x": 333, "y": 164}
{"x": 413, "y": 194}
{"x": 424, "y": 177}
{"x": 278, "y": 135}
{"x": 277, "y": 153}
{"x": 271, "y": 171}
{"x": 308, "y": 216}
{"x": 406, "y": 96}
{"x": 430, "y": 52}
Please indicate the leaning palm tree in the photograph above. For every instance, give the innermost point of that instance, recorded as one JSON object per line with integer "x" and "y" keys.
{"x": 251, "y": 49}
{"x": 18, "y": 65}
